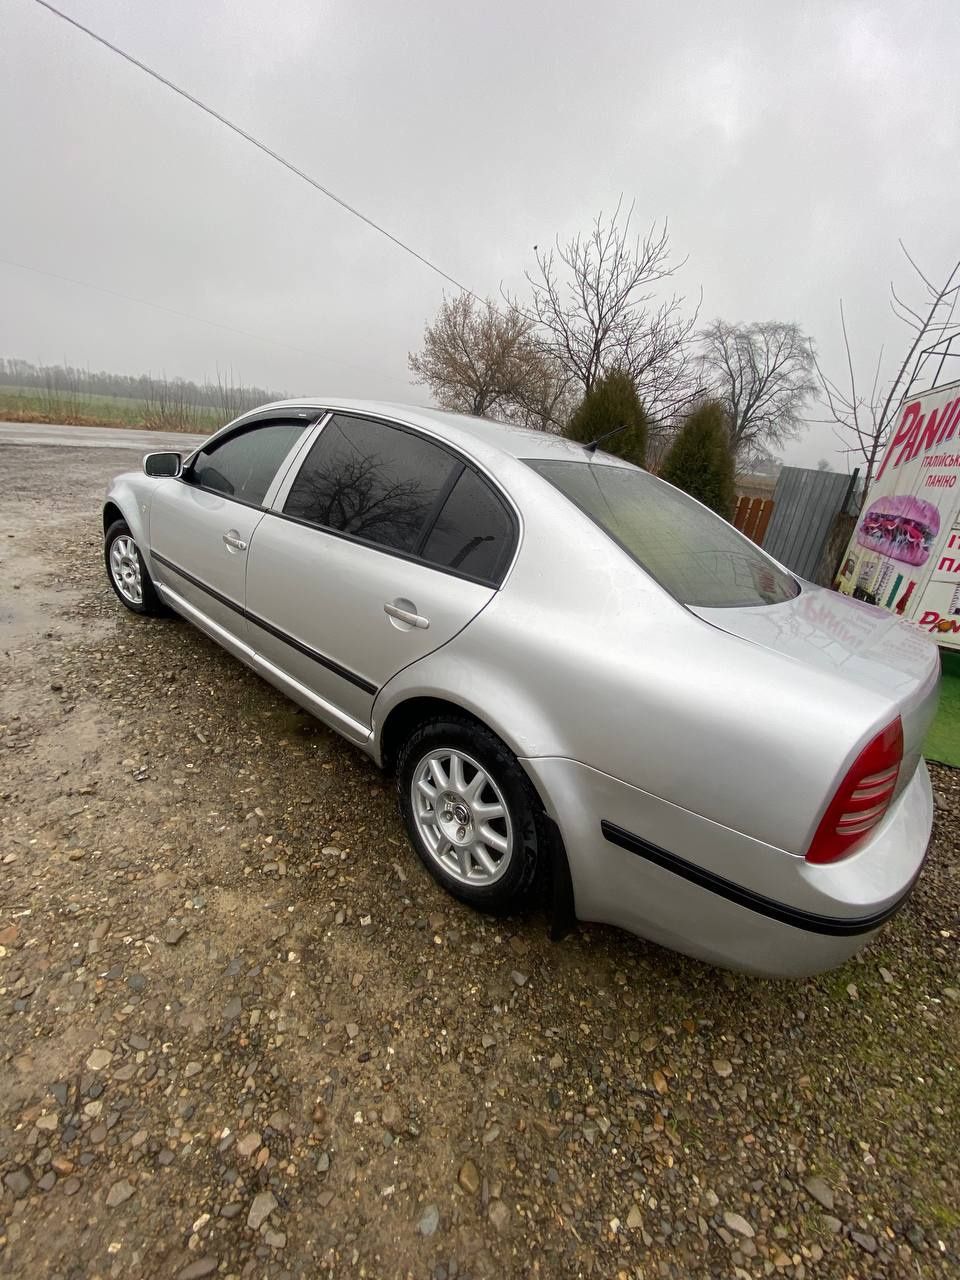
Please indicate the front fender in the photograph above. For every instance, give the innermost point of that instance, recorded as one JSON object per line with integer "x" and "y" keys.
{"x": 130, "y": 494}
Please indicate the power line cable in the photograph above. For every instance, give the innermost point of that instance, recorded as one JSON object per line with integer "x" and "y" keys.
{"x": 261, "y": 146}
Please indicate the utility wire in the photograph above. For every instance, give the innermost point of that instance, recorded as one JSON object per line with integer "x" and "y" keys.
{"x": 261, "y": 146}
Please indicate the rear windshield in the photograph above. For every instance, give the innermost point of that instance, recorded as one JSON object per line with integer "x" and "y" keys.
{"x": 692, "y": 553}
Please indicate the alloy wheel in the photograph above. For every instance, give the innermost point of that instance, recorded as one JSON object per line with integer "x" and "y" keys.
{"x": 462, "y": 817}
{"x": 125, "y": 568}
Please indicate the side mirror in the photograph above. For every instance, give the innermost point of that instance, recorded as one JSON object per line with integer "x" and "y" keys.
{"x": 162, "y": 464}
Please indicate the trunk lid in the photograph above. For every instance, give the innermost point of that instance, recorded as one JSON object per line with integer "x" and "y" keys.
{"x": 854, "y": 641}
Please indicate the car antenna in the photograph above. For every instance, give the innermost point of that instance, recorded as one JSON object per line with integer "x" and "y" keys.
{"x": 592, "y": 446}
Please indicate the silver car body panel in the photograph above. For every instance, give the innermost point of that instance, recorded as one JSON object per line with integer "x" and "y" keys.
{"x": 685, "y": 755}
{"x": 620, "y": 887}
{"x": 347, "y": 625}
{"x": 197, "y": 548}
{"x": 863, "y": 645}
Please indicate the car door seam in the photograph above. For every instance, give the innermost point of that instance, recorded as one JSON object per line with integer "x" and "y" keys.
{"x": 198, "y": 583}
{"x": 494, "y": 591}
{"x": 361, "y": 682}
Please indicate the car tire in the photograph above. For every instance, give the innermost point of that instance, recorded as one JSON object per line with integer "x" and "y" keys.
{"x": 489, "y": 861}
{"x": 127, "y": 573}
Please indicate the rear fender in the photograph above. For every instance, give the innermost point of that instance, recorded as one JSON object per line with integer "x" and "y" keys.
{"x": 503, "y": 704}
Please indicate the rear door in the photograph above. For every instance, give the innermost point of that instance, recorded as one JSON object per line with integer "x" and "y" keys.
{"x": 380, "y": 548}
{"x": 201, "y": 523}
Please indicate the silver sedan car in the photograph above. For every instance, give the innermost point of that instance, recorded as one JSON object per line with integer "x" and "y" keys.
{"x": 586, "y": 683}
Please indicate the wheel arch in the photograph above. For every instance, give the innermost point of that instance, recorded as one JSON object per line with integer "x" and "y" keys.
{"x": 404, "y": 718}
{"x": 408, "y": 714}
{"x": 111, "y": 514}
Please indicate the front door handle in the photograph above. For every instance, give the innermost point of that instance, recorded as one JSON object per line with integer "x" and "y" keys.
{"x": 409, "y": 616}
{"x": 234, "y": 541}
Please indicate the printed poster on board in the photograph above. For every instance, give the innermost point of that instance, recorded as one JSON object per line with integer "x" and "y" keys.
{"x": 905, "y": 551}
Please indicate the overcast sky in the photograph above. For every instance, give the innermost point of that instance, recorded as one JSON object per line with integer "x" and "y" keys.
{"x": 789, "y": 145}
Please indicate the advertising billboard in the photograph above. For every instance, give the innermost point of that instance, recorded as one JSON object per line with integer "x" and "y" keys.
{"x": 905, "y": 551}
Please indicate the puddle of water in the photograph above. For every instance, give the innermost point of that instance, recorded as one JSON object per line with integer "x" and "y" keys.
{"x": 32, "y": 604}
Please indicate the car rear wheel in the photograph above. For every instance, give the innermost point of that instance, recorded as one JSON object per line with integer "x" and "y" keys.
{"x": 471, "y": 813}
{"x": 128, "y": 574}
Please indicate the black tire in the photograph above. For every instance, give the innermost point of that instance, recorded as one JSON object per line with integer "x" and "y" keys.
{"x": 150, "y": 604}
{"x": 514, "y": 888}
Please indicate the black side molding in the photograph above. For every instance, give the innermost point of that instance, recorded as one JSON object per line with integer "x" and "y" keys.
{"x": 836, "y": 926}
{"x": 320, "y": 658}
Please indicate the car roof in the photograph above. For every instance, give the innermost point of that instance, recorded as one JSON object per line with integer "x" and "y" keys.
{"x": 484, "y": 439}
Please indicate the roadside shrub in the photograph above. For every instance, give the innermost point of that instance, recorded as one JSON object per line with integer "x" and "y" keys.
{"x": 611, "y": 402}
{"x": 700, "y": 462}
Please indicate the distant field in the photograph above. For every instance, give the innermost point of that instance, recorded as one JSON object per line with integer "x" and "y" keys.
{"x": 28, "y": 404}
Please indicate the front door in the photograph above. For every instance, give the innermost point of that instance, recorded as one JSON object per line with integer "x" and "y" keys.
{"x": 385, "y": 546}
{"x": 202, "y": 523}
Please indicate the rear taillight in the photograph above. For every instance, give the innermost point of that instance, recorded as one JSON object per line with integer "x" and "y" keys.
{"x": 862, "y": 798}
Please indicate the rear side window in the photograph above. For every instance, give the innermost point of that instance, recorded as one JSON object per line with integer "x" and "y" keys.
{"x": 370, "y": 480}
{"x": 473, "y": 533}
{"x": 696, "y": 556}
{"x": 243, "y": 465}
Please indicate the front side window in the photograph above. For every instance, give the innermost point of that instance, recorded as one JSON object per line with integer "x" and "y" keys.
{"x": 473, "y": 533}
{"x": 372, "y": 481}
{"x": 693, "y": 553}
{"x": 243, "y": 465}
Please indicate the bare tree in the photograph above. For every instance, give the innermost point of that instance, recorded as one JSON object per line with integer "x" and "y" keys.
{"x": 232, "y": 398}
{"x": 862, "y": 420}
{"x": 763, "y": 374}
{"x": 482, "y": 360}
{"x": 595, "y": 308}
{"x": 356, "y": 494}
{"x": 167, "y": 406}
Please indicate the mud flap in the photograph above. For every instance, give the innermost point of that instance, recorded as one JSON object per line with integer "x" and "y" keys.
{"x": 561, "y": 904}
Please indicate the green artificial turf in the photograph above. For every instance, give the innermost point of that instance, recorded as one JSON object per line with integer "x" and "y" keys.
{"x": 943, "y": 740}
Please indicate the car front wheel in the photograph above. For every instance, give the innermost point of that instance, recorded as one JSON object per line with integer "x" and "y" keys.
{"x": 128, "y": 574}
{"x": 471, "y": 813}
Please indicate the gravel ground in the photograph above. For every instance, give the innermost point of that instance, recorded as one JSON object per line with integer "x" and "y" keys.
{"x": 244, "y": 1034}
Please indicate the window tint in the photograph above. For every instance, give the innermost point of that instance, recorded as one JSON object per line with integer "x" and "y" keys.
{"x": 245, "y": 464}
{"x": 696, "y": 556}
{"x": 373, "y": 481}
{"x": 473, "y": 533}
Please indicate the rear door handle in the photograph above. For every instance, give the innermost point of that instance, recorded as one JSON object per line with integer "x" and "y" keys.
{"x": 231, "y": 540}
{"x": 407, "y": 616}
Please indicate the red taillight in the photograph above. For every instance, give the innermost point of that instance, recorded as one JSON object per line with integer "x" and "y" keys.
{"x": 862, "y": 798}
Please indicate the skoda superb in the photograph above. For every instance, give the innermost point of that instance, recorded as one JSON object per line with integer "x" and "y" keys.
{"x": 578, "y": 674}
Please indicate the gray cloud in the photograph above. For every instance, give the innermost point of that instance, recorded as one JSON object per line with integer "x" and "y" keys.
{"x": 789, "y": 145}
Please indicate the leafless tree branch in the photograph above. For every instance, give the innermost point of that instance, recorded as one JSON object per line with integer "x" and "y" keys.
{"x": 863, "y": 423}
{"x": 763, "y": 373}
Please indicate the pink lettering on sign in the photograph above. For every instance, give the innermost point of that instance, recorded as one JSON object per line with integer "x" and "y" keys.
{"x": 941, "y": 626}
{"x": 950, "y": 421}
{"x": 904, "y": 436}
{"x": 918, "y": 433}
{"x": 927, "y": 438}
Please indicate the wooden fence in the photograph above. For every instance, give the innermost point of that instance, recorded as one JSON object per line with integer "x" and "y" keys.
{"x": 752, "y": 517}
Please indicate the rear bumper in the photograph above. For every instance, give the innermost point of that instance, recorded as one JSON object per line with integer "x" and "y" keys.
{"x": 692, "y": 885}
